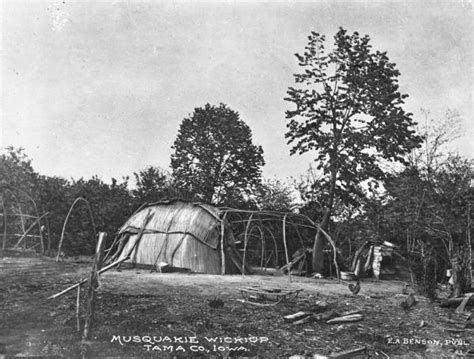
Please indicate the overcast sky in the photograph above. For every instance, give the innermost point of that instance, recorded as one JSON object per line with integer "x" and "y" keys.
{"x": 101, "y": 87}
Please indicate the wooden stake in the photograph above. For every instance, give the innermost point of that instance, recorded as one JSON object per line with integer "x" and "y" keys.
{"x": 93, "y": 285}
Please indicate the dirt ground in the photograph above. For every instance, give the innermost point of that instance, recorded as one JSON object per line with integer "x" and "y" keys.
{"x": 177, "y": 314}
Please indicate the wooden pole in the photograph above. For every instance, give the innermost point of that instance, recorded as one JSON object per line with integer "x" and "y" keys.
{"x": 264, "y": 244}
{"x": 286, "y": 248}
{"x": 67, "y": 217}
{"x": 25, "y": 234}
{"x": 106, "y": 268}
{"x": 4, "y": 245}
{"x": 74, "y": 286}
{"x": 38, "y": 221}
{"x": 469, "y": 264}
{"x": 246, "y": 238}
{"x": 78, "y": 303}
{"x": 43, "y": 248}
{"x": 13, "y": 213}
{"x": 222, "y": 244}
{"x": 93, "y": 285}
{"x": 49, "y": 236}
{"x": 148, "y": 217}
{"x": 22, "y": 222}
{"x": 275, "y": 244}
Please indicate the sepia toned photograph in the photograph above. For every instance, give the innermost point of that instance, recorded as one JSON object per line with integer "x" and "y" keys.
{"x": 221, "y": 179}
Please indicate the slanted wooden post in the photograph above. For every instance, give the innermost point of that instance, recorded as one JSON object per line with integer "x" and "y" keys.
{"x": 93, "y": 285}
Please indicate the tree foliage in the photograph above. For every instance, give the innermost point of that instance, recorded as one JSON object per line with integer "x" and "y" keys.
{"x": 17, "y": 182}
{"x": 314, "y": 197}
{"x": 349, "y": 112}
{"x": 214, "y": 157}
{"x": 16, "y": 170}
{"x": 437, "y": 135}
{"x": 427, "y": 214}
{"x": 274, "y": 195}
{"x": 152, "y": 185}
{"x": 111, "y": 203}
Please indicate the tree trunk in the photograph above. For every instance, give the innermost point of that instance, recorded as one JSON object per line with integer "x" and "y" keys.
{"x": 319, "y": 243}
{"x": 320, "y": 240}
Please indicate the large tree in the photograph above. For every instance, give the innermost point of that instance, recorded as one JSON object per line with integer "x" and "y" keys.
{"x": 214, "y": 156}
{"x": 349, "y": 112}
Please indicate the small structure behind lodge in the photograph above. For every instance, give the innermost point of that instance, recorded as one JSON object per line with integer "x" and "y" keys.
{"x": 179, "y": 234}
